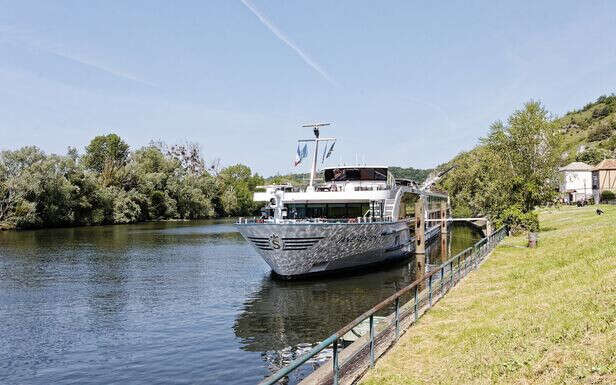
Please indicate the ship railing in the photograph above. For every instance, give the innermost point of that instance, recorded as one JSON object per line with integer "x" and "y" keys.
{"x": 404, "y": 307}
{"x": 246, "y": 220}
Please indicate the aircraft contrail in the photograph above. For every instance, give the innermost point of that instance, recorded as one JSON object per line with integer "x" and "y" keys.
{"x": 28, "y": 40}
{"x": 280, "y": 35}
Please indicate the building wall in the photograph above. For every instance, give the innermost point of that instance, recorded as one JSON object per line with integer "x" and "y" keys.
{"x": 578, "y": 181}
{"x": 607, "y": 180}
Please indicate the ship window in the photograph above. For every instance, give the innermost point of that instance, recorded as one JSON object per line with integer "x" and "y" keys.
{"x": 335, "y": 174}
{"x": 336, "y": 210}
{"x": 354, "y": 210}
{"x": 366, "y": 173}
{"x": 407, "y": 205}
{"x": 352, "y": 174}
{"x": 380, "y": 174}
{"x": 315, "y": 211}
{"x": 365, "y": 207}
{"x": 296, "y": 211}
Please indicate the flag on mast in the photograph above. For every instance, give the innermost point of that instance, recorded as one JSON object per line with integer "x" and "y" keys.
{"x": 300, "y": 155}
{"x": 330, "y": 150}
{"x": 324, "y": 153}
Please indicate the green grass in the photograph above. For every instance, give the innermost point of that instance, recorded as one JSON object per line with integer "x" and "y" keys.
{"x": 527, "y": 316}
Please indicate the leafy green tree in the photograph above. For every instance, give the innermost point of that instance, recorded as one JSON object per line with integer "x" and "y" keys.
{"x": 239, "y": 181}
{"x": 229, "y": 201}
{"x": 528, "y": 153}
{"x": 126, "y": 205}
{"x": 110, "y": 185}
{"x": 513, "y": 170}
{"x": 46, "y": 186}
{"x": 106, "y": 154}
{"x": 193, "y": 196}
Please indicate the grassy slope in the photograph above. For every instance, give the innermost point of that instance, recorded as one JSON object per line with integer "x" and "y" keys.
{"x": 528, "y": 316}
{"x": 577, "y": 125}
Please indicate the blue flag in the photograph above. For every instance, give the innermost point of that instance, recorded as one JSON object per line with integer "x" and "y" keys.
{"x": 300, "y": 155}
{"x": 330, "y": 150}
{"x": 324, "y": 153}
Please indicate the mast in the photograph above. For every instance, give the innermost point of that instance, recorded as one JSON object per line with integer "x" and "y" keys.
{"x": 316, "y": 140}
{"x": 313, "y": 169}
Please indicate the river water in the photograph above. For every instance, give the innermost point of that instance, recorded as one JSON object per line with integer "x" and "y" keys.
{"x": 170, "y": 302}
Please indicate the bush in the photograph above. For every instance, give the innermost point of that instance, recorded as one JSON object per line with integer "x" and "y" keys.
{"x": 601, "y": 132}
{"x": 591, "y": 156}
{"x": 601, "y": 112}
{"x": 610, "y": 144}
{"x": 607, "y": 195}
{"x": 519, "y": 221}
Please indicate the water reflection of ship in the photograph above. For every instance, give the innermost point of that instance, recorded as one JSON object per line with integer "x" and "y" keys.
{"x": 282, "y": 319}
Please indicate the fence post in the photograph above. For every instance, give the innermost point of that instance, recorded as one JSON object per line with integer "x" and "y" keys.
{"x": 450, "y": 275}
{"x": 442, "y": 278}
{"x": 372, "y": 340}
{"x": 416, "y": 303}
{"x": 397, "y": 318}
{"x": 465, "y": 263}
{"x": 430, "y": 289}
{"x": 459, "y": 267}
{"x": 335, "y": 359}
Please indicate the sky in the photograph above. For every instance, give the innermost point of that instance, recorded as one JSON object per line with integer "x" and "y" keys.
{"x": 403, "y": 83}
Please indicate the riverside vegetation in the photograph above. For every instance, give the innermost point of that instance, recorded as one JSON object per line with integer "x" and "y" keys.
{"x": 111, "y": 184}
{"x": 544, "y": 315}
{"x": 515, "y": 167}
{"x": 510, "y": 172}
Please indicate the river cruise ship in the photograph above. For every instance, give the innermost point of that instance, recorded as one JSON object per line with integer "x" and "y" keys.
{"x": 357, "y": 216}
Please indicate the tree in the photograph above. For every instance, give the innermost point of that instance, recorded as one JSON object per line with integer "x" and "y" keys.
{"x": 513, "y": 170}
{"x": 527, "y": 150}
{"x": 106, "y": 154}
{"x": 12, "y": 166}
{"x": 47, "y": 189}
{"x": 239, "y": 181}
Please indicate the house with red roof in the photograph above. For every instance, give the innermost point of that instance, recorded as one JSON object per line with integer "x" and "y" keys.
{"x": 604, "y": 177}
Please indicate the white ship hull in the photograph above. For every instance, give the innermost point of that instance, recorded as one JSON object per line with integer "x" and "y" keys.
{"x": 296, "y": 249}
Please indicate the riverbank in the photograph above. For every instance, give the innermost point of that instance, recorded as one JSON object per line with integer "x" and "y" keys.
{"x": 544, "y": 315}
{"x": 4, "y": 227}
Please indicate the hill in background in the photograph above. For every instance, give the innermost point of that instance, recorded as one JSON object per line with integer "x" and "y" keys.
{"x": 589, "y": 133}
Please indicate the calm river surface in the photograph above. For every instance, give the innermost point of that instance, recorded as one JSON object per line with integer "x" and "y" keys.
{"x": 160, "y": 303}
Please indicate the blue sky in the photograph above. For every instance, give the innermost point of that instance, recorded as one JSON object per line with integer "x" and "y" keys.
{"x": 405, "y": 83}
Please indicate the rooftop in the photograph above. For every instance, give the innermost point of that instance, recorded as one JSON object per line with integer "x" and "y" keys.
{"x": 577, "y": 166}
{"x": 606, "y": 164}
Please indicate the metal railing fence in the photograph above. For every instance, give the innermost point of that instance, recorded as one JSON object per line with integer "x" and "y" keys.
{"x": 423, "y": 293}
